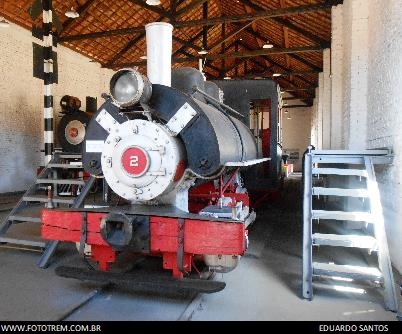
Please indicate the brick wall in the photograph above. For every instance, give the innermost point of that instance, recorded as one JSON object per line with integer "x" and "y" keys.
{"x": 296, "y": 131}
{"x": 326, "y": 100}
{"x": 21, "y": 103}
{"x": 384, "y": 104}
{"x": 314, "y": 120}
{"x": 366, "y": 93}
{"x": 356, "y": 49}
{"x": 337, "y": 44}
{"x": 320, "y": 106}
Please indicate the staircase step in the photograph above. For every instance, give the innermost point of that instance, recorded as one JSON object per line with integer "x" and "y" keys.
{"x": 358, "y": 241}
{"x": 65, "y": 166}
{"x": 69, "y": 156}
{"x": 29, "y": 214}
{"x": 350, "y": 152}
{"x": 44, "y": 199}
{"x": 317, "y": 191}
{"x": 60, "y": 181}
{"x": 21, "y": 218}
{"x": 347, "y": 271}
{"x": 29, "y": 243}
{"x": 343, "y": 215}
{"x": 351, "y": 160}
{"x": 340, "y": 171}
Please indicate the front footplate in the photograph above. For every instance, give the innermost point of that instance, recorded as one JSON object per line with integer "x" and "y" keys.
{"x": 143, "y": 281}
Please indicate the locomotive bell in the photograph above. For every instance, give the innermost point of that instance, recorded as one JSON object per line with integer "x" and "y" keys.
{"x": 128, "y": 87}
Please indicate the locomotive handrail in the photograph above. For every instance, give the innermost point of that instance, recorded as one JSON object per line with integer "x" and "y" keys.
{"x": 213, "y": 100}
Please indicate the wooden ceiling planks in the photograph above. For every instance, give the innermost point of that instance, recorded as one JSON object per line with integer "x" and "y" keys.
{"x": 295, "y": 30}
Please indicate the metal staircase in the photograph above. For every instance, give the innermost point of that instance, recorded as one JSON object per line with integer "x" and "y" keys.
{"x": 63, "y": 175}
{"x": 343, "y": 165}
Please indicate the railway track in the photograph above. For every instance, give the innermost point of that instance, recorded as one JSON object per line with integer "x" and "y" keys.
{"x": 137, "y": 296}
{"x": 107, "y": 300}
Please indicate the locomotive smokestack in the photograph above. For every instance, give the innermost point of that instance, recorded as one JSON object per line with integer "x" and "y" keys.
{"x": 159, "y": 52}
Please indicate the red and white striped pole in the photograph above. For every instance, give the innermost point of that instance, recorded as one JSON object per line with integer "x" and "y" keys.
{"x": 48, "y": 79}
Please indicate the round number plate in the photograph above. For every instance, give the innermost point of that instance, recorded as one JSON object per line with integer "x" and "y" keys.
{"x": 135, "y": 161}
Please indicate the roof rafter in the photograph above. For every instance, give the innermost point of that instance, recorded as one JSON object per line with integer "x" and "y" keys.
{"x": 134, "y": 41}
{"x": 300, "y": 59}
{"x": 288, "y": 24}
{"x": 273, "y": 62}
{"x": 154, "y": 9}
{"x": 190, "y": 7}
{"x": 186, "y": 45}
{"x": 206, "y": 22}
{"x": 229, "y": 36}
{"x": 288, "y": 82}
{"x": 250, "y": 54}
{"x": 256, "y": 15}
{"x": 82, "y": 10}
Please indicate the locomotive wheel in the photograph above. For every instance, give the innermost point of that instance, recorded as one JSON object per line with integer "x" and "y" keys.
{"x": 71, "y": 131}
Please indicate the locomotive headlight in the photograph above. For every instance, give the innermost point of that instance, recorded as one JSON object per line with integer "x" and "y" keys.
{"x": 128, "y": 87}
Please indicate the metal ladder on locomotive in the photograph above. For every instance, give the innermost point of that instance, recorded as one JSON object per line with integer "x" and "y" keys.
{"x": 28, "y": 209}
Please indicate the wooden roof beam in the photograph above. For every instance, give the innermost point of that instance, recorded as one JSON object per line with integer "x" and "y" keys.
{"x": 206, "y": 22}
{"x": 300, "y": 73}
{"x": 154, "y": 9}
{"x": 247, "y": 54}
{"x": 293, "y": 98}
{"x": 256, "y": 62}
{"x": 306, "y": 62}
{"x": 294, "y": 56}
{"x": 298, "y": 106}
{"x": 287, "y": 70}
{"x": 333, "y": 2}
{"x": 285, "y": 33}
{"x": 212, "y": 67}
{"x": 134, "y": 41}
{"x": 263, "y": 52}
{"x": 186, "y": 45}
{"x": 239, "y": 63}
{"x": 189, "y": 43}
{"x": 190, "y": 7}
{"x": 263, "y": 14}
{"x": 273, "y": 63}
{"x": 205, "y": 28}
{"x": 259, "y": 74}
{"x": 242, "y": 61}
{"x": 229, "y": 36}
{"x": 300, "y": 89}
{"x": 288, "y": 24}
{"x": 100, "y": 34}
{"x": 281, "y": 78}
{"x": 312, "y": 37}
{"x": 127, "y": 47}
{"x": 288, "y": 82}
{"x": 82, "y": 10}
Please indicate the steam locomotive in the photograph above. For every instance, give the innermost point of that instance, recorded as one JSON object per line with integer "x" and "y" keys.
{"x": 72, "y": 126}
{"x": 175, "y": 155}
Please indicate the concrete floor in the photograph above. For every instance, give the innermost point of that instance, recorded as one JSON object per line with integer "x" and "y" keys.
{"x": 265, "y": 286}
